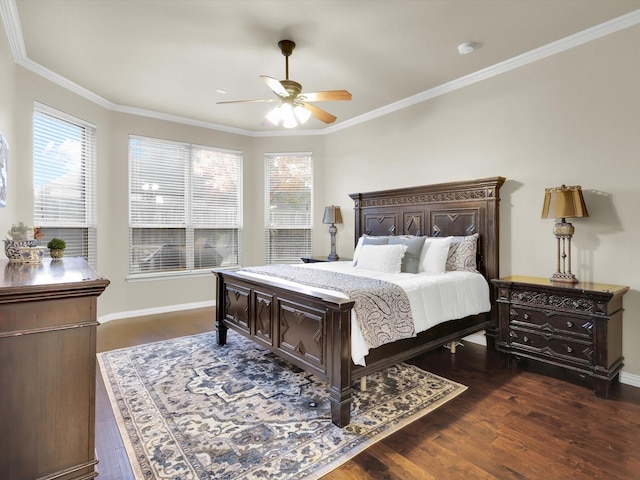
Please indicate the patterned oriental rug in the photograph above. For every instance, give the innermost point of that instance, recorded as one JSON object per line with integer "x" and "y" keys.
{"x": 190, "y": 409}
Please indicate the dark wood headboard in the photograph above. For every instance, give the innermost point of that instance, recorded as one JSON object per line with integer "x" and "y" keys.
{"x": 455, "y": 208}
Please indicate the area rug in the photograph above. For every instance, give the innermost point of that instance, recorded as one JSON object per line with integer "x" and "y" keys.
{"x": 190, "y": 409}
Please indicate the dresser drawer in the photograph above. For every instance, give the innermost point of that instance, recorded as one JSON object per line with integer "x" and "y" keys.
{"x": 551, "y": 322}
{"x": 46, "y": 315}
{"x": 552, "y": 346}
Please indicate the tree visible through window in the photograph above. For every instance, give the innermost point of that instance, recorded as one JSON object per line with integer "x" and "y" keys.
{"x": 64, "y": 181}
{"x": 185, "y": 206}
{"x": 288, "y": 206}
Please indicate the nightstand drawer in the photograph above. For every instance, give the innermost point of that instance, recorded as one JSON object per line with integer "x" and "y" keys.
{"x": 552, "y": 346}
{"x": 552, "y": 322}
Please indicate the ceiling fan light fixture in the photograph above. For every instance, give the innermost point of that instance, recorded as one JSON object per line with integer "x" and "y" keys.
{"x": 273, "y": 116}
{"x": 302, "y": 114}
{"x": 287, "y": 115}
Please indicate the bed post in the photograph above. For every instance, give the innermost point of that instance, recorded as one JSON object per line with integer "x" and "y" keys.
{"x": 339, "y": 358}
{"x": 221, "y": 328}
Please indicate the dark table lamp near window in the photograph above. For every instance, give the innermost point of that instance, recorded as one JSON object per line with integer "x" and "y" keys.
{"x": 332, "y": 215}
{"x": 564, "y": 202}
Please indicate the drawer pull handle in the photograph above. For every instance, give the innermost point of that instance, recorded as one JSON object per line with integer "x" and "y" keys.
{"x": 526, "y": 316}
{"x": 570, "y": 324}
{"x": 525, "y": 339}
{"x": 569, "y": 349}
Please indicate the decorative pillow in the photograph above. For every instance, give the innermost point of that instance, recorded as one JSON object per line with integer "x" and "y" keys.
{"x": 411, "y": 258}
{"x": 381, "y": 258}
{"x": 367, "y": 240}
{"x": 435, "y": 251}
{"x": 462, "y": 253}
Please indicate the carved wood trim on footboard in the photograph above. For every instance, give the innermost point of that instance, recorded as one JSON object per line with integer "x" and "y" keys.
{"x": 309, "y": 330}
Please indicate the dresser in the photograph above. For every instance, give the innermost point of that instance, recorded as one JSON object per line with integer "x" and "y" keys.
{"x": 48, "y": 369}
{"x": 576, "y": 327}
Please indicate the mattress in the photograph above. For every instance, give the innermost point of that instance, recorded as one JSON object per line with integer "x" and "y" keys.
{"x": 434, "y": 298}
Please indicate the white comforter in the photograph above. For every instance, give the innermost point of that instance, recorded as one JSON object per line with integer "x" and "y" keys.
{"x": 434, "y": 298}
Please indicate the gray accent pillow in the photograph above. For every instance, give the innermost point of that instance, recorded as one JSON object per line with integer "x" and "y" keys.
{"x": 368, "y": 240}
{"x": 411, "y": 260}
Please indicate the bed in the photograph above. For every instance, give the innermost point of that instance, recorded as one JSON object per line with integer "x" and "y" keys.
{"x": 311, "y": 328}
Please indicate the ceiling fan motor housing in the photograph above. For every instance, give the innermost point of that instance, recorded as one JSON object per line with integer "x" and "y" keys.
{"x": 294, "y": 88}
{"x": 286, "y": 47}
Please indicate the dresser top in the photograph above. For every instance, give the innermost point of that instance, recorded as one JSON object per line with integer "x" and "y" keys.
{"x": 64, "y": 273}
{"x": 580, "y": 286}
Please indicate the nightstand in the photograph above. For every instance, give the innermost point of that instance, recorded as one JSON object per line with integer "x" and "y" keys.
{"x": 322, "y": 259}
{"x": 577, "y": 327}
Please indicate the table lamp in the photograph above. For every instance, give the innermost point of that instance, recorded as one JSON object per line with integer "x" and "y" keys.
{"x": 332, "y": 215}
{"x": 564, "y": 202}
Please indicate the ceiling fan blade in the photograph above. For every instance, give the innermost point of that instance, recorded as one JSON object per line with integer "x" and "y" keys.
{"x": 275, "y": 85}
{"x": 320, "y": 114}
{"x": 326, "y": 96}
{"x": 260, "y": 100}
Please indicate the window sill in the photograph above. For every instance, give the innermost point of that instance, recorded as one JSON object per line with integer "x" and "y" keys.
{"x": 143, "y": 277}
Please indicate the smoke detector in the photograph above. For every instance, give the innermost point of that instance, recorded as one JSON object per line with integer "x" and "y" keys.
{"x": 466, "y": 47}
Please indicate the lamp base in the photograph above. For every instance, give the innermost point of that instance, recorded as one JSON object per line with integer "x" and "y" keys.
{"x": 564, "y": 277}
{"x": 332, "y": 257}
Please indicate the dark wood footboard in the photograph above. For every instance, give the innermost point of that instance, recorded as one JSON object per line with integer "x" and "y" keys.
{"x": 310, "y": 330}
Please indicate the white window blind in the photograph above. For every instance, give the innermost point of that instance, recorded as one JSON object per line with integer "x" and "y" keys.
{"x": 185, "y": 206}
{"x": 288, "y": 206}
{"x": 64, "y": 181}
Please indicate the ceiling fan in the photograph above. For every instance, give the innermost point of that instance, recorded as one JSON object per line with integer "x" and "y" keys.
{"x": 295, "y": 107}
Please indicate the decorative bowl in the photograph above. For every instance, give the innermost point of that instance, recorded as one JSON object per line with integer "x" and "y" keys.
{"x": 31, "y": 254}
{"x": 12, "y": 248}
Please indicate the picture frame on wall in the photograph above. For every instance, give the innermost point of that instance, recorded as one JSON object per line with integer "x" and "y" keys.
{"x": 4, "y": 159}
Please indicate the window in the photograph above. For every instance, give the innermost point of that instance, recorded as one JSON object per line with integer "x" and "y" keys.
{"x": 288, "y": 219}
{"x": 64, "y": 181}
{"x": 185, "y": 207}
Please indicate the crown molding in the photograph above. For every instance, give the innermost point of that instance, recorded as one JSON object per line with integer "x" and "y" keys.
{"x": 559, "y": 46}
{"x": 9, "y": 13}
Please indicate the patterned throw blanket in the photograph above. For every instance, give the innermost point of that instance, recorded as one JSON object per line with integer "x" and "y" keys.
{"x": 382, "y": 308}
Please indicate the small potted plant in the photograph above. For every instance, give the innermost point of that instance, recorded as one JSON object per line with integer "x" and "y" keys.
{"x": 56, "y": 247}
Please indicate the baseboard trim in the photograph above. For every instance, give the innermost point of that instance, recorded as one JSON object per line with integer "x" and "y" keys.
{"x": 626, "y": 378}
{"x": 155, "y": 311}
{"x": 630, "y": 379}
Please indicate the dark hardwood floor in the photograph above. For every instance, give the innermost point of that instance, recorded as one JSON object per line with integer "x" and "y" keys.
{"x": 522, "y": 422}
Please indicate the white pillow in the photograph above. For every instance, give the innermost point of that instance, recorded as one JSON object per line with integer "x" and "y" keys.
{"x": 382, "y": 258}
{"x": 367, "y": 240}
{"x": 433, "y": 258}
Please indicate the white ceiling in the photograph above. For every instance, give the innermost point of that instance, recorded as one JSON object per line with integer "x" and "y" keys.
{"x": 169, "y": 57}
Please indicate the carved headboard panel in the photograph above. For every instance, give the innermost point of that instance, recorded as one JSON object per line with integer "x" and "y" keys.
{"x": 455, "y": 208}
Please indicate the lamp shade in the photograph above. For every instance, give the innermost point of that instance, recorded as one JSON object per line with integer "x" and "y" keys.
{"x": 564, "y": 202}
{"x": 332, "y": 215}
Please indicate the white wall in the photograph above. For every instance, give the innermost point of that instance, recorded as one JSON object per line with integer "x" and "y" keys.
{"x": 571, "y": 118}
{"x": 7, "y": 95}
